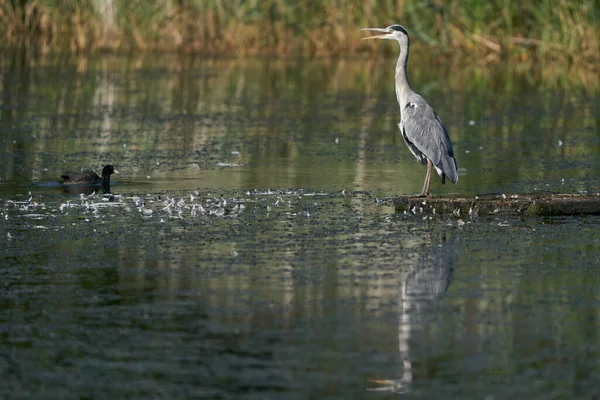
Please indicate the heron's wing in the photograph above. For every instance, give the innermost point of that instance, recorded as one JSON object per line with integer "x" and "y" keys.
{"x": 423, "y": 130}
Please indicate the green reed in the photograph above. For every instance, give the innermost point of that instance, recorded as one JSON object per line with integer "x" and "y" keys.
{"x": 546, "y": 30}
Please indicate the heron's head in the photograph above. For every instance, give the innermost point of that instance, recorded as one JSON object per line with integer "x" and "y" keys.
{"x": 394, "y": 32}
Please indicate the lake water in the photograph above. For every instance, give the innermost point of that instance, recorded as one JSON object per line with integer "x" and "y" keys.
{"x": 251, "y": 249}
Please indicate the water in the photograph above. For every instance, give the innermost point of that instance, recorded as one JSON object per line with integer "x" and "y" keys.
{"x": 251, "y": 250}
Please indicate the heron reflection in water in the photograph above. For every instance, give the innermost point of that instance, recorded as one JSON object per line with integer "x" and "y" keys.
{"x": 427, "y": 279}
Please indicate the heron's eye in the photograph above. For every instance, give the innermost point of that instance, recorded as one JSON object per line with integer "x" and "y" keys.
{"x": 398, "y": 28}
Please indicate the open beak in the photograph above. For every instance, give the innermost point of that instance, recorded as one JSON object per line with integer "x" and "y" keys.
{"x": 376, "y": 30}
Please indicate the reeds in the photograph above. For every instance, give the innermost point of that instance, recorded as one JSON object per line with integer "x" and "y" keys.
{"x": 488, "y": 31}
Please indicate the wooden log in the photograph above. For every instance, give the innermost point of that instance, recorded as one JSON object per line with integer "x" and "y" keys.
{"x": 542, "y": 204}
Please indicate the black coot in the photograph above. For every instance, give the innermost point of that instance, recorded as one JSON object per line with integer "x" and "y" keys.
{"x": 89, "y": 177}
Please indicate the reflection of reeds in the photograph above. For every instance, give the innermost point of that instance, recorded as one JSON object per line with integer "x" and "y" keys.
{"x": 550, "y": 30}
{"x": 190, "y": 113}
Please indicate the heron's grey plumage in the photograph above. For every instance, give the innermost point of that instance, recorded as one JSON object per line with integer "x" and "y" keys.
{"x": 426, "y": 137}
{"x": 421, "y": 128}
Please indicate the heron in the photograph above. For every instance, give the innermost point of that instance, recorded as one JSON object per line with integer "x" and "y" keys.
{"x": 421, "y": 128}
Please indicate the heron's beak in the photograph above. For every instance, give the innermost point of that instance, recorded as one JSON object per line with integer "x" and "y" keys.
{"x": 376, "y": 30}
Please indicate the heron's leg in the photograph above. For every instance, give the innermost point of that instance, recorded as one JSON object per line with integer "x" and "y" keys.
{"x": 425, "y": 191}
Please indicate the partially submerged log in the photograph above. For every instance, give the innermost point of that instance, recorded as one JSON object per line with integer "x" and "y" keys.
{"x": 542, "y": 204}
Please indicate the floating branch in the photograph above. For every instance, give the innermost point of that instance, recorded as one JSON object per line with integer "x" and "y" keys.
{"x": 494, "y": 204}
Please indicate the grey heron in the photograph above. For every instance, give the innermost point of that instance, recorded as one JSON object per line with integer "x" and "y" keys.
{"x": 421, "y": 128}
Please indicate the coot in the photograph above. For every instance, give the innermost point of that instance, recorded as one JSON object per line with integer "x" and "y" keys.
{"x": 89, "y": 177}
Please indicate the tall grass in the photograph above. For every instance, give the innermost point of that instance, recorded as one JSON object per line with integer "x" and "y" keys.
{"x": 549, "y": 30}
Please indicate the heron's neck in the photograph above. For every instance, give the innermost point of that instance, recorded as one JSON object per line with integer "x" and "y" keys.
{"x": 402, "y": 85}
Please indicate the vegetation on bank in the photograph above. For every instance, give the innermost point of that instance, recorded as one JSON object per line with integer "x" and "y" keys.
{"x": 549, "y": 30}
